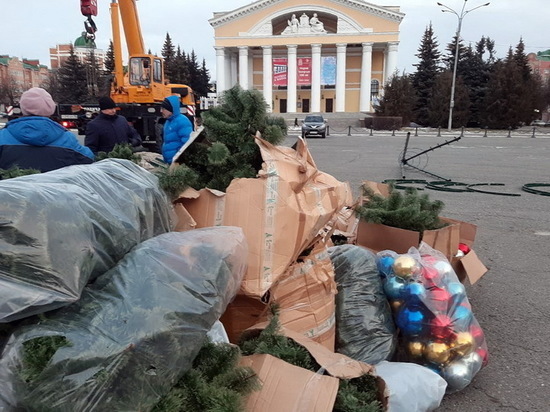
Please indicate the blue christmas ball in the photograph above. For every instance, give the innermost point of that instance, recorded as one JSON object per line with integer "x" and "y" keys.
{"x": 394, "y": 287}
{"x": 411, "y": 321}
{"x": 415, "y": 292}
{"x": 461, "y": 318}
{"x": 385, "y": 265}
{"x": 457, "y": 291}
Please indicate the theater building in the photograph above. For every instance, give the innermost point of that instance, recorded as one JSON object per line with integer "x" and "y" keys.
{"x": 320, "y": 56}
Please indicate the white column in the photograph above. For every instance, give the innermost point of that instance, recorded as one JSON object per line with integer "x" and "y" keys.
{"x": 315, "y": 78}
{"x": 220, "y": 70}
{"x": 391, "y": 60}
{"x": 268, "y": 76}
{"x": 341, "y": 77}
{"x": 243, "y": 67}
{"x": 291, "y": 79}
{"x": 234, "y": 69}
{"x": 366, "y": 75}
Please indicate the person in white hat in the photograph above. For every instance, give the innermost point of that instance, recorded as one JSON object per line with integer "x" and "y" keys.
{"x": 36, "y": 142}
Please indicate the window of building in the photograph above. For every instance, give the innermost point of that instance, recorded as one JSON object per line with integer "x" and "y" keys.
{"x": 374, "y": 88}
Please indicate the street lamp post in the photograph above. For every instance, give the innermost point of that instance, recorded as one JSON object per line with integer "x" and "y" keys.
{"x": 460, "y": 16}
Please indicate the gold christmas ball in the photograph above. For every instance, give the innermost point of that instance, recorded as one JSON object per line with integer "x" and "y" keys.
{"x": 396, "y": 304}
{"x": 437, "y": 352}
{"x": 405, "y": 266}
{"x": 463, "y": 344}
{"x": 415, "y": 349}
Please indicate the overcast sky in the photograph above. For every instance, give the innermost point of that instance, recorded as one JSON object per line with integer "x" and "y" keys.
{"x": 28, "y": 28}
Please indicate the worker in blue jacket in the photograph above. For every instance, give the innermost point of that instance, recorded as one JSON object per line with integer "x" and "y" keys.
{"x": 36, "y": 142}
{"x": 177, "y": 128}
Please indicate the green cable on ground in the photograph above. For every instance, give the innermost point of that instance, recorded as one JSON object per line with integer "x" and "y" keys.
{"x": 402, "y": 183}
{"x": 445, "y": 186}
{"x": 528, "y": 187}
{"x": 490, "y": 192}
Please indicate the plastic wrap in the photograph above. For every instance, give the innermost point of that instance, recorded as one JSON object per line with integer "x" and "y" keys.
{"x": 365, "y": 330}
{"x": 60, "y": 229}
{"x": 411, "y": 387}
{"x": 437, "y": 328}
{"x": 133, "y": 333}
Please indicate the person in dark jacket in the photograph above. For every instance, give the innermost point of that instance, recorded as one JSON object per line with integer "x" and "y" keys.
{"x": 36, "y": 142}
{"x": 109, "y": 129}
{"x": 177, "y": 128}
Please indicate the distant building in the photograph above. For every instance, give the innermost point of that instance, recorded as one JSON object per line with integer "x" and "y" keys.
{"x": 314, "y": 56}
{"x": 24, "y": 73}
{"x": 540, "y": 63}
{"x": 82, "y": 47}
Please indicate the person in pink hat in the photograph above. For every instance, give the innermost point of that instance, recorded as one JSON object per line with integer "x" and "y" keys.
{"x": 36, "y": 142}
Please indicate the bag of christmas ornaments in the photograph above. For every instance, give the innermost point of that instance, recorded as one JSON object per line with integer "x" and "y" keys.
{"x": 437, "y": 328}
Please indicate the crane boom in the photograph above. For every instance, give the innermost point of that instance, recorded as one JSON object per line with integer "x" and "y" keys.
{"x": 132, "y": 28}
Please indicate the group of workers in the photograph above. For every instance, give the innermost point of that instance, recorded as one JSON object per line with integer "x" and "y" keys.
{"x": 34, "y": 141}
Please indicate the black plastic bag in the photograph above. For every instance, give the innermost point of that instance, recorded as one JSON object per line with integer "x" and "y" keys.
{"x": 133, "y": 333}
{"x": 365, "y": 330}
{"x": 60, "y": 229}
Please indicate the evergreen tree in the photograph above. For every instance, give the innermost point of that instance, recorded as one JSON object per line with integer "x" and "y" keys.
{"x": 193, "y": 69}
{"x": 531, "y": 96}
{"x": 203, "y": 83}
{"x": 399, "y": 99}
{"x": 93, "y": 73}
{"x": 110, "y": 59}
{"x": 169, "y": 54}
{"x": 423, "y": 79}
{"x": 181, "y": 73}
{"x": 73, "y": 87}
{"x": 439, "y": 104}
{"x": 503, "y": 94}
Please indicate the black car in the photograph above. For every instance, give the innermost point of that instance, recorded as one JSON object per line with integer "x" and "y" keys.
{"x": 314, "y": 125}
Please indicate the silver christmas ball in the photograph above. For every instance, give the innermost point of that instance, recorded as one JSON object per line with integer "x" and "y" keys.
{"x": 458, "y": 375}
{"x": 474, "y": 361}
{"x": 444, "y": 268}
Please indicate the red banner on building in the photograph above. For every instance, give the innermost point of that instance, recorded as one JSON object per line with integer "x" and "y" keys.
{"x": 304, "y": 71}
{"x": 280, "y": 68}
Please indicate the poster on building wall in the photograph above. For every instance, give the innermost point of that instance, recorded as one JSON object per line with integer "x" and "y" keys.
{"x": 279, "y": 72}
{"x": 328, "y": 70}
{"x": 304, "y": 71}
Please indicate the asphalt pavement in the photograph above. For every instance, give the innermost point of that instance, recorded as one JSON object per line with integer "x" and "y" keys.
{"x": 512, "y": 301}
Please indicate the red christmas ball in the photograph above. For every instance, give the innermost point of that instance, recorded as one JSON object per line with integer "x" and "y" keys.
{"x": 484, "y": 355}
{"x": 442, "y": 328}
{"x": 438, "y": 300}
{"x": 428, "y": 259}
{"x": 478, "y": 334}
{"x": 464, "y": 248}
{"x": 430, "y": 276}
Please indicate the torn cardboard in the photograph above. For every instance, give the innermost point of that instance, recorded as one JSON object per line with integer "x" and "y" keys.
{"x": 336, "y": 365}
{"x": 289, "y": 388}
{"x": 282, "y": 212}
{"x": 305, "y": 297}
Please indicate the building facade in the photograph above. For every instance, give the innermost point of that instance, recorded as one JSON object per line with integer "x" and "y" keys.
{"x": 20, "y": 75}
{"x": 319, "y": 56}
{"x": 81, "y": 47}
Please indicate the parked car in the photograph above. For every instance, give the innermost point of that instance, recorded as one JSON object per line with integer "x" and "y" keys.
{"x": 314, "y": 125}
{"x": 541, "y": 123}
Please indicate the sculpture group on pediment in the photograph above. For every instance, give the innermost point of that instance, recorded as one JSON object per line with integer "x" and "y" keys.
{"x": 304, "y": 25}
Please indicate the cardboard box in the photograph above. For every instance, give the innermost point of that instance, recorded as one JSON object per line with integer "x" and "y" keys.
{"x": 379, "y": 237}
{"x": 242, "y": 313}
{"x": 282, "y": 212}
{"x": 274, "y": 391}
{"x": 289, "y": 388}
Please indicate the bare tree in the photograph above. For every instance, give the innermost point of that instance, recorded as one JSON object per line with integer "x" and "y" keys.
{"x": 10, "y": 90}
